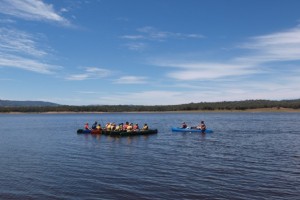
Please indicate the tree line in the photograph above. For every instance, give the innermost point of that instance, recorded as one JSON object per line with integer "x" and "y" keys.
{"x": 202, "y": 106}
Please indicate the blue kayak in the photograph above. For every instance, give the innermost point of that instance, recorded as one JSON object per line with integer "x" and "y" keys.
{"x": 192, "y": 130}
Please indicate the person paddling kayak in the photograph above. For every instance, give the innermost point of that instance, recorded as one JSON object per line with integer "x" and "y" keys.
{"x": 202, "y": 127}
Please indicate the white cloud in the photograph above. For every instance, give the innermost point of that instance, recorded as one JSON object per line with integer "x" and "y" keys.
{"x": 193, "y": 91}
{"x": 230, "y": 92}
{"x": 132, "y": 37}
{"x": 77, "y": 77}
{"x": 151, "y": 33}
{"x": 7, "y": 21}
{"x": 131, "y": 80}
{"x": 6, "y": 79}
{"x": 136, "y": 46}
{"x": 15, "y": 41}
{"x": 148, "y": 33}
{"x": 155, "y": 34}
{"x": 35, "y": 10}
{"x": 89, "y": 73}
{"x": 204, "y": 71}
{"x": 280, "y": 46}
{"x": 27, "y": 64}
{"x": 21, "y": 50}
{"x": 97, "y": 71}
{"x": 87, "y": 92}
{"x": 276, "y": 47}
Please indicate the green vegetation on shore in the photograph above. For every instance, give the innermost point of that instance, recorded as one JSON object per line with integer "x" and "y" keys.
{"x": 202, "y": 106}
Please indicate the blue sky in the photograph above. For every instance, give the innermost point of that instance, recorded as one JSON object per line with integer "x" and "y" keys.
{"x": 149, "y": 52}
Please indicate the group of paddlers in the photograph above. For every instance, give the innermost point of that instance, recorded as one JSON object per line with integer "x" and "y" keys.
{"x": 201, "y": 126}
{"x": 114, "y": 127}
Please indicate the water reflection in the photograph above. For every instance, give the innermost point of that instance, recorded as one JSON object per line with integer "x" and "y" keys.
{"x": 116, "y": 139}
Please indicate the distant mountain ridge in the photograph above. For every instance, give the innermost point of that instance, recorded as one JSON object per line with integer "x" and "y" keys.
{"x": 10, "y": 103}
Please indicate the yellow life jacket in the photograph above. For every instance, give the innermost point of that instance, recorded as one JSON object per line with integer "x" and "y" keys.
{"x": 129, "y": 128}
{"x": 117, "y": 128}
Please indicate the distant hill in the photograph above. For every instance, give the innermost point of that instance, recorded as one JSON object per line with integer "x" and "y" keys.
{"x": 41, "y": 106}
{"x": 8, "y": 103}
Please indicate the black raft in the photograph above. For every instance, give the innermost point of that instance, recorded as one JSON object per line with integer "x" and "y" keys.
{"x": 131, "y": 133}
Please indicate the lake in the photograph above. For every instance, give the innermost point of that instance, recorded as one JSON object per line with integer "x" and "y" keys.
{"x": 249, "y": 156}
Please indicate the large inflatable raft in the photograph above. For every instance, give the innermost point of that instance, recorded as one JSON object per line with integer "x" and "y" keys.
{"x": 118, "y": 133}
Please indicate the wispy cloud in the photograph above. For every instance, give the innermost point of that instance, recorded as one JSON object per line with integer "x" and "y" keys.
{"x": 151, "y": 33}
{"x": 139, "y": 41}
{"x": 210, "y": 92}
{"x": 131, "y": 80}
{"x": 136, "y": 46}
{"x": 133, "y": 37}
{"x": 280, "y": 46}
{"x": 77, "y": 77}
{"x": 7, "y": 21}
{"x": 21, "y": 50}
{"x": 194, "y": 70}
{"x": 32, "y": 10}
{"x": 27, "y": 64}
{"x": 6, "y": 79}
{"x": 15, "y": 41}
{"x": 87, "y": 92}
{"x": 166, "y": 97}
{"x": 275, "y": 47}
{"x": 89, "y": 73}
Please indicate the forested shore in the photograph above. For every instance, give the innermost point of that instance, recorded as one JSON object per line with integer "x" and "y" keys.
{"x": 202, "y": 106}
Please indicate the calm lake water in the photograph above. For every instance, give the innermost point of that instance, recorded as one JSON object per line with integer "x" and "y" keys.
{"x": 249, "y": 156}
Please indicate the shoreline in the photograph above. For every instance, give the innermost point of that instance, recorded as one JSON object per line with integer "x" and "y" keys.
{"x": 256, "y": 110}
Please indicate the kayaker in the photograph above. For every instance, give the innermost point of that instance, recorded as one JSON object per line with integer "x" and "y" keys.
{"x": 86, "y": 126}
{"x": 202, "y": 127}
{"x": 183, "y": 125}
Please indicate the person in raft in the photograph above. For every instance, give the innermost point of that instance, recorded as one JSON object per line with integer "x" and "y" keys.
{"x": 98, "y": 127}
{"x": 119, "y": 127}
{"x": 86, "y": 126}
{"x": 94, "y": 125}
{"x": 136, "y": 127}
{"x": 202, "y": 127}
{"x": 183, "y": 125}
{"x": 125, "y": 125}
{"x": 130, "y": 127}
{"x": 145, "y": 127}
